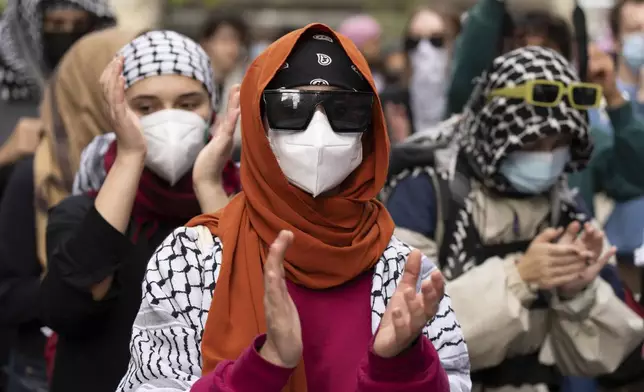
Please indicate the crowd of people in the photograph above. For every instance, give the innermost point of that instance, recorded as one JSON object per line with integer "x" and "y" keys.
{"x": 462, "y": 211}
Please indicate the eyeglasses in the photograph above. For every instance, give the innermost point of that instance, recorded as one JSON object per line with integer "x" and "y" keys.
{"x": 292, "y": 110}
{"x": 548, "y": 93}
{"x": 437, "y": 41}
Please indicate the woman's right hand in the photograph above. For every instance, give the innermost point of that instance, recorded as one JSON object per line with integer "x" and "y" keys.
{"x": 283, "y": 346}
{"x": 549, "y": 264}
{"x": 125, "y": 123}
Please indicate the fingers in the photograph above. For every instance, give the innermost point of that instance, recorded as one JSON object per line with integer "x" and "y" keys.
{"x": 595, "y": 237}
{"x": 414, "y": 304}
{"x": 570, "y": 235}
{"x": 114, "y": 86}
{"x": 594, "y": 269}
{"x": 603, "y": 260}
{"x": 275, "y": 259}
{"x": 561, "y": 280}
{"x": 274, "y": 284}
{"x": 559, "y": 250}
{"x": 439, "y": 283}
{"x": 548, "y": 235}
{"x": 400, "y": 318}
{"x": 412, "y": 270}
{"x": 433, "y": 290}
{"x": 233, "y": 97}
{"x": 226, "y": 128}
{"x": 574, "y": 268}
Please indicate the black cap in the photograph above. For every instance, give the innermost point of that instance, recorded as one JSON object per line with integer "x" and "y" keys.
{"x": 318, "y": 60}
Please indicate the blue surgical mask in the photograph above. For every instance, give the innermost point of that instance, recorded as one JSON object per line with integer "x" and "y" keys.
{"x": 534, "y": 172}
{"x": 633, "y": 51}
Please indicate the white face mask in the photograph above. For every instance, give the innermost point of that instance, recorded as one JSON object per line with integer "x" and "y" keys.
{"x": 175, "y": 138}
{"x": 316, "y": 160}
{"x": 429, "y": 84}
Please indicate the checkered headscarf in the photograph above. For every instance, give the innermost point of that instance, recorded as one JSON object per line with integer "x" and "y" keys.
{"x": 22, "y": 67}
{"x": 491, "y": 129}
{"x": 167, "y": 53}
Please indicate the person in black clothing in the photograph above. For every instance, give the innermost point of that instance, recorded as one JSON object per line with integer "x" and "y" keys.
{"x": 19, "y": 281}
{"x": 73, "y": 119}
{"x": 133, "y": 188}
{"x": 34, "y": 36}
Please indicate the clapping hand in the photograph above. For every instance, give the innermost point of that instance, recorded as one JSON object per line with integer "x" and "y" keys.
{"x": 125, "y": 123}
{"x": 592, "y": 241}
{"x": 408, "y": 311}
{"x": 283, "y": 346}
{"x": 212, "y": 159}
{"x": 549, "y": 262}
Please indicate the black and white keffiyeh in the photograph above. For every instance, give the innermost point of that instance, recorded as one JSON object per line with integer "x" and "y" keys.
{"x": 490, "y": 129}
{"x": 22, "y": 67}
{"x": 167, "y": 53}
{"x": 177, "y": 293}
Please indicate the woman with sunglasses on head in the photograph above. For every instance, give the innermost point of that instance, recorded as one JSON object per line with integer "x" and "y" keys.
{"x": 420, "y": 103}
{"x": 298, "y": 284}
{"x": 507, "y": 231}
{"x": 614, "y": 168}
{"x": 135, "y": 185}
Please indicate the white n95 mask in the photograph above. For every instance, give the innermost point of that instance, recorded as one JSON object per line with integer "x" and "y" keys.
{"x": 317, "y": 159}
{"x": 174, "y": 139}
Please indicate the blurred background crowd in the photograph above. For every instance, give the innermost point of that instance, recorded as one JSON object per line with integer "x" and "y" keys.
{"x": 423, "y": 54}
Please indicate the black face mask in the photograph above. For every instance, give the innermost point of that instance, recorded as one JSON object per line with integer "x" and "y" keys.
{"x": 57, "y": 44}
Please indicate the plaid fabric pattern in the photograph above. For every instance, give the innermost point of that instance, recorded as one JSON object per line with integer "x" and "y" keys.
{"x": 167, "y": 53}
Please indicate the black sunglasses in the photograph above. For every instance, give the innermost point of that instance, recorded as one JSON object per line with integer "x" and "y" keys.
{"x": 437, "y": 41}
{"x": 292, "y": 110}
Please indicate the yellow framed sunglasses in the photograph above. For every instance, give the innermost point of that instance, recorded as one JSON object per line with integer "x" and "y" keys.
{"x": 547, "y": 93}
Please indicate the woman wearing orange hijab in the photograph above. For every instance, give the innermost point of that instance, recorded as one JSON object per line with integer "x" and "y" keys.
{"x": 298, "y": 284}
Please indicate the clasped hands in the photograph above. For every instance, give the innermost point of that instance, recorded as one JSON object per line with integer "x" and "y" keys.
{"x": 566, "y": 260}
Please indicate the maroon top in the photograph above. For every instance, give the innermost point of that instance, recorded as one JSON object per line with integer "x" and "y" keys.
{"x": 337, "y": 338}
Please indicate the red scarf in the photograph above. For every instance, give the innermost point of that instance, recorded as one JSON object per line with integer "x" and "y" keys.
{"x": 156, "y": 201}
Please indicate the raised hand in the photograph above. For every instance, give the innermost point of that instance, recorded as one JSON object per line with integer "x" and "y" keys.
{"x": 408, "y": 311}
{"x": 283, "y": 346}
{"x": 601, "y": 70}
{"x": 212, "y": 159}
{"x": 550, "y": 264}
{"x": 123, "y": 120}
{"x": 592, "y": 240}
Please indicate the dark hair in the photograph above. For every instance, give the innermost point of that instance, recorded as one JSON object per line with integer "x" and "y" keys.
{"x": 218, "y": 19}
{"x": 615, "y": 16}
{"x": 546, "y": 25}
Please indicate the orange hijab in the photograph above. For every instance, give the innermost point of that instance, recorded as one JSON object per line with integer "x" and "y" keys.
{"x": 336, "y": 238}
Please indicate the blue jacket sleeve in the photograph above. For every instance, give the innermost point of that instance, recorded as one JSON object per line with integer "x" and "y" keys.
{"x": 412, "y": 205}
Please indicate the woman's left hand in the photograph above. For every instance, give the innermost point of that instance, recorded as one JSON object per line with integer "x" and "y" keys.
{"x": 592, "y": 239}
{"x": 408, "y": 311}
{"x": 212, "y": 159}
